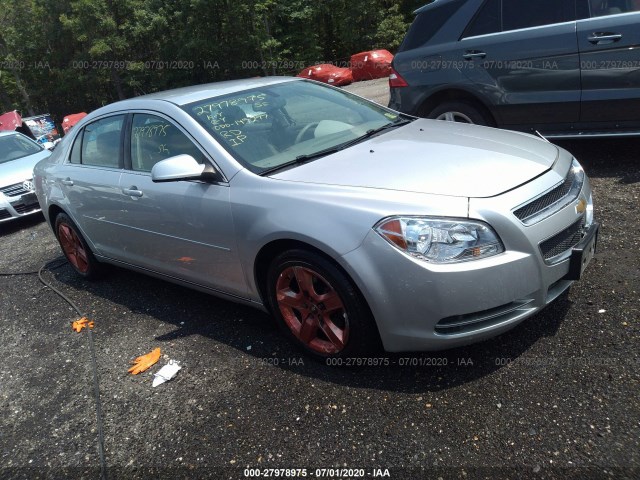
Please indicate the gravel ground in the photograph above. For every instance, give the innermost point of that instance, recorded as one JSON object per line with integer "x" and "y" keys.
{"x": 557, "y": 397}
{"x": 376, "y": 90}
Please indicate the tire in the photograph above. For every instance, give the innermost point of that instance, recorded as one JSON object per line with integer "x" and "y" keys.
{"x": 75, "y": 248}
{"x": 460, "y": 111}
{"x": 326, "y": 316}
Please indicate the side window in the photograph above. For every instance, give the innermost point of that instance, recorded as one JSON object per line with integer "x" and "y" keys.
{"x": 427, "y": 24}
{"x": 488, "y": 19}
{"x": 75, "y": 149}
{"x": 101, "y": 142}
{"x": 525, "y": 13}
{"x": 601, "y": 8}
{"x": 154, "y": 139}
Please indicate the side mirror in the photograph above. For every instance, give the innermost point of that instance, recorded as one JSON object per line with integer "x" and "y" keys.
{"x": 182, "y": 167}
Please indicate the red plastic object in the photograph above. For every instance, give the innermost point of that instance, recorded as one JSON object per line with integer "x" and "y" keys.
{"x": 370, "y": 65}
{"x": 10, "y": 121}
{"x": 328, "y": 73}
{"x": 70, "y": 120}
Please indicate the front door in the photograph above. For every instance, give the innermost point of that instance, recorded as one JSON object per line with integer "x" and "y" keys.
{"x": 183, "y": 229}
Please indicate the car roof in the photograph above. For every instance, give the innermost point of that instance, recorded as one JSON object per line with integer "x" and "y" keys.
{"x": 186, "y": 95}
{"x": 433, "y": 4}
{"x": 6, "y": 133}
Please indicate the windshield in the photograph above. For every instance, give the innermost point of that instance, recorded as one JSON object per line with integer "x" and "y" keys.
{"x": 16, "y": 146}
{"x": 288, "y": 123}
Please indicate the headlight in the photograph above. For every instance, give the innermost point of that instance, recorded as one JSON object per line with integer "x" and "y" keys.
{"x": 578, "y": 180}
{"x": 440, "y": 240}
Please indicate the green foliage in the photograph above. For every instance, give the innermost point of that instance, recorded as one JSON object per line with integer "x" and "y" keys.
{"x": 391, "y": 29}
{"x": 65, "y": 56}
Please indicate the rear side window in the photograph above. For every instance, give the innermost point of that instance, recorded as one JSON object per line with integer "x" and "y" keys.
{"x": 427, "y": 24}
{"x": 488, "y": 20}
{"x": 75, "y": 150}
{"x": 603, "y": 8}
{"x": 518, "y": 14}
{"x": 101, "y": 142}
{"x": 504, "y": 15}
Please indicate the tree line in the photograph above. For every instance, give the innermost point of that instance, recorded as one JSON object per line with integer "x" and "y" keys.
{"x": 67, "y": 56}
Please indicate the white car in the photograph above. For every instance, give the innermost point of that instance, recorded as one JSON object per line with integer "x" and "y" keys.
{"x": 18, "y": 156}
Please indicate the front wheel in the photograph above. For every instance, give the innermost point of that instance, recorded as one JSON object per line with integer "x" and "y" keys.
{"x": 317, "y": 307}
{"x": 461, "y": 112}
{"x": 75, "y": 248}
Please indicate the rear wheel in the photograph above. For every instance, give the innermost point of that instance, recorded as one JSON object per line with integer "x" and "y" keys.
{"x": 461, "y": 112}
{"x": 75, "y": 248}
{"x": 318, "y": 307}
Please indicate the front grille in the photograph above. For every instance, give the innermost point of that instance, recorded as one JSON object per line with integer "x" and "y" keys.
{"x": 4, "y": 213}
{"x": 14, "y": 190}
{"x": 22, "y": 208}
{"x": 550, "y": 202}
{"x": 562, "y": 241}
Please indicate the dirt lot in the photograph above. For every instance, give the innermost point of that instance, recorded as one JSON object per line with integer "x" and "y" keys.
{"x": 556, "y": 397}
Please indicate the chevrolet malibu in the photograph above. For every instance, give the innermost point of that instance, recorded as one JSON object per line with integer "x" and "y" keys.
{"x": 355, "y": 226}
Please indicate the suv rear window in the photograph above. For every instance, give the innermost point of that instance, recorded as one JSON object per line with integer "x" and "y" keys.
{"x": 427, "y": 24}
{"x": 488, "y": 20}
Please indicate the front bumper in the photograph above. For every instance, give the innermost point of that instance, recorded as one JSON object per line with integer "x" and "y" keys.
{"x": 423, "y": 306}
{"x": 18, "y": 202}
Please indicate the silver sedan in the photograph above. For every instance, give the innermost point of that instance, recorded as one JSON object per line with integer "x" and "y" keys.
{"x": 18, "y": 156}
{"x": 354, "y": 225}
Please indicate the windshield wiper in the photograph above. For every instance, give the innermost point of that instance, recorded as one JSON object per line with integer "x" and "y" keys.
{"x": 301, "y": 159}
{"x": 374, "y": 131}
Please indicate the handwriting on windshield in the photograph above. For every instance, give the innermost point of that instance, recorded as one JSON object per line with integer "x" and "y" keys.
{"x": 221, "y": 122}
{"x": 233, "y": 137}
{"x": 228, "y": 117}
{"x": 257, "y": 101}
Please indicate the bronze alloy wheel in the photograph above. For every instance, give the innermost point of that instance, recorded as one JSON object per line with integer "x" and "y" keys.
{"x": 75, "y": 248}
{"x": 318, "y": 307}
{"x": 312, "y": 309}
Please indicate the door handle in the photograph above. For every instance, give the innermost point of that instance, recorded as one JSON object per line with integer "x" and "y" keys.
{"x": 599, "y": 38}
{"x": 67, "y": 181}
{"x": 472, "y": 54}
{"x": 132, "y": 192}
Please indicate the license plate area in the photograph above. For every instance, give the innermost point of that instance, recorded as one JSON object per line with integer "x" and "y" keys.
{"x": 29, "y": 199}
{"x": 583, "y": 253}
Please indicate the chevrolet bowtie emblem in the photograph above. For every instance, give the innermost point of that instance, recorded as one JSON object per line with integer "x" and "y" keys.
{"x": 581, "y": 207}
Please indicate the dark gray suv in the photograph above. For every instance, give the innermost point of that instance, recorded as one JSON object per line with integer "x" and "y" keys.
{"x": 567, "y": 68}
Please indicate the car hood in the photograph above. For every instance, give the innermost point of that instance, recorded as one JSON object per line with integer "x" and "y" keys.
{"x": 20, "y": 169}
{"x": 435, "y": 157}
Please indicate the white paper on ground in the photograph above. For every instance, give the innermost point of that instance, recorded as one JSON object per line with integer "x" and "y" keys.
{"x": 166, "y": 373}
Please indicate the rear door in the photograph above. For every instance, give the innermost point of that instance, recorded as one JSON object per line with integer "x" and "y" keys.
{"x": 524, "y": 56}
{"x": 89, "y": 181}
{"x": 609, "y": 42}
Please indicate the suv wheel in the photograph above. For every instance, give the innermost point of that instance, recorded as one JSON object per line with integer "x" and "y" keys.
{"x": 459, "y": 111}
